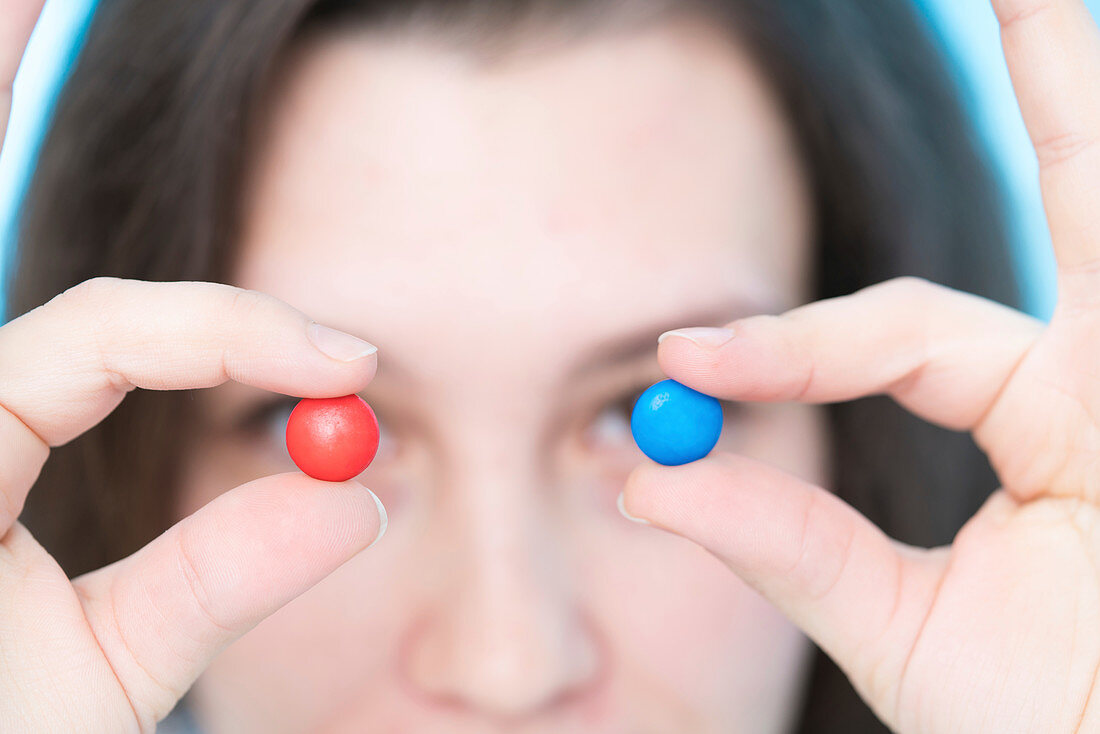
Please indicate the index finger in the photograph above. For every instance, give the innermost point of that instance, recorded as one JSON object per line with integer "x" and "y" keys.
{"x": 16, "y": 23}
{"x": 1053, "y": 53}
{"x": 944, "y": 355}
{"x": 67, "y": 364}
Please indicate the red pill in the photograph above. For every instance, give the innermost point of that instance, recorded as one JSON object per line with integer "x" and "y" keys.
{"x": 332, "y": 439}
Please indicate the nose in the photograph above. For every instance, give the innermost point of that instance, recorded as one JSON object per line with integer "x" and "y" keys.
{"x": 504, "y": 635}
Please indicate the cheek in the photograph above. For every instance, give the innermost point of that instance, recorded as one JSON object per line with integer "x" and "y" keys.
{"x": 329, "y": 651}
{"x": 687, "y": 635}
{"x": 682, "y": 624}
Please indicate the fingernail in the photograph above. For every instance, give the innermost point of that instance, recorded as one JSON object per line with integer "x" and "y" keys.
{"x": 705, "y": 336}
{"x": 383, "y": 519}
{"x": 338, "y": 345}
{"x": 627, "y": 515}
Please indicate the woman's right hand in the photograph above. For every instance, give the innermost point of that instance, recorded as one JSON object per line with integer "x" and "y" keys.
{"x": 114, "y": 650}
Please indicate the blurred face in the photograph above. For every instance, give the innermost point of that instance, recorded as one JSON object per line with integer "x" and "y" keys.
{"x": 514, "y": 234}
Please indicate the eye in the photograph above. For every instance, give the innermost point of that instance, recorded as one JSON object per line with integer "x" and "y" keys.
{"x": 266, "y": 422}
{"x": 266, "y": 425}
{"x": 611, "y": 426}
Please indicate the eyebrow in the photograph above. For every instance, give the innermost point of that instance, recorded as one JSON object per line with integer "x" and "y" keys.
{"x": 625, "y": 349}
{"x": 630, "y": 347}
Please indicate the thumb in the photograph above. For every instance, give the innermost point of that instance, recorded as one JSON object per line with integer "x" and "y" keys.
{"x": 861, "y": 596}
{"x": 163, "y": 613}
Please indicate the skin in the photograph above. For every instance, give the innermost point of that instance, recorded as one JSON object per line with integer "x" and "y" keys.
{"x": 509, "y": 589}
{"x": 994, "y": 633}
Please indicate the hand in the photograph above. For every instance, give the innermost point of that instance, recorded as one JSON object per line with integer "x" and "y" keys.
{"x": 16, "y": 23}
{"x": 999, "y": 632}
{"x": 115, "y": 649}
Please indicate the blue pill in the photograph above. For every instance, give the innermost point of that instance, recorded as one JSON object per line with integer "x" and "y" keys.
{"x": 673, "y": 424}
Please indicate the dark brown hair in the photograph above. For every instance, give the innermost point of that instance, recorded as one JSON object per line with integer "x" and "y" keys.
{"x": 142, "y": 169}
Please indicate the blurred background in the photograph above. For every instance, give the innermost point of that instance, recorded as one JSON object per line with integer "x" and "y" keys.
{"x": 967, "y": 28}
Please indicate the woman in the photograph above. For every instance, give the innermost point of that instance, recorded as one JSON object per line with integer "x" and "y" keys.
{"x": 513, "y": 200}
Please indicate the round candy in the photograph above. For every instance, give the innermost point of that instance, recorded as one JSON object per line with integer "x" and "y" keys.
{"x": 673, "y": 424}
{"x": 333, "y": 439}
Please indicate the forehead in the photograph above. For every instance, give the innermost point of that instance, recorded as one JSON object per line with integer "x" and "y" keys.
{"x": 583, "y": 187}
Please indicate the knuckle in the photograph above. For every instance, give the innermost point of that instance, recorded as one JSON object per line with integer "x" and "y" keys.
{"x": 877, "y": 666}
{"x": 194, "y": 583}
{"x": 96, "y": 305}
{"x": 147, "y": 691}
{"x": 912, "y": 288}
{"x": 16, "y": 565}
{"x": 1061, "y": 148}
{"x": 92, "y": 292}
{"x": 245, "y": 304}
{"x": 803, "y": 538}
{"x": 914, "y": 295}
{"x": 1014, "y": 13}
{"x": 10, "y": 506}
{"x": 797, "y": 334}
{"x": 824, "y": 550}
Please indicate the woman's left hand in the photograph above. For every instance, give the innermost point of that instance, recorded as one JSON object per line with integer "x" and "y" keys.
{"x": 999, "y": 632}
